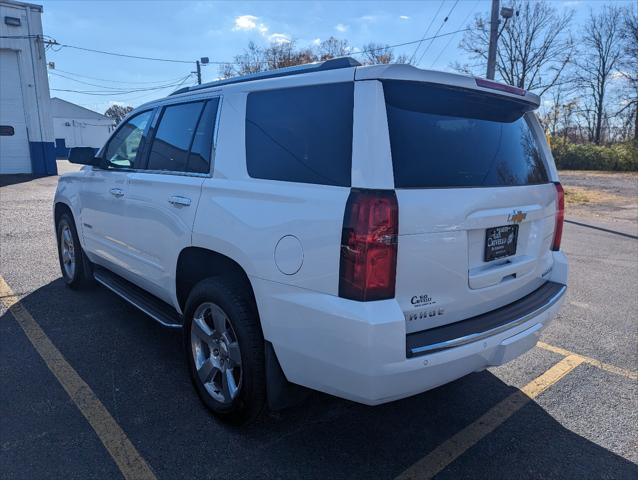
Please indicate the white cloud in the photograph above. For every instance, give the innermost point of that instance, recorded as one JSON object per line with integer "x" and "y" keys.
{"x": 249, "y": 22}
{"x": 279, "y": 38}
{"x": 368, "y": 18}
{"x": 571, "y": 3}
{"x": 340, "y": 27}
{"x": 245, "y": 22}
{"x": 404, "y": 17}
{"x": 316, "y": 41}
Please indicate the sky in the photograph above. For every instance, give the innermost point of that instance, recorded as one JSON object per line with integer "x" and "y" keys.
{"x": 187, "y": 30}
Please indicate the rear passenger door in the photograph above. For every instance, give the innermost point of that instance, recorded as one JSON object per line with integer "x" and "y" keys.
{"x": 163, "y": 196}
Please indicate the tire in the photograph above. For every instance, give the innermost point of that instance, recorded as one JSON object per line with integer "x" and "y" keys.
{"x": 225, "y": 350}
{"x": 77, "y": 271}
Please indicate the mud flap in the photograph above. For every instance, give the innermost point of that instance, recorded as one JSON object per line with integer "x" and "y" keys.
{"x": 280, "y": 392}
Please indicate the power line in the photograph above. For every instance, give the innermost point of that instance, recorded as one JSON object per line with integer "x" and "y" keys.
{"x": 109, "y": 87}
{"x": 452, "y": 38}
{"x": 426, "y": 31}
{"x": 137, "y": 57}
{"x": 437, "y": 32}
{"x": 409, "y": 43}
{"x": 123, "y": 92}
{"x": 117, "y": 81}
{"x": 218, "y": 62}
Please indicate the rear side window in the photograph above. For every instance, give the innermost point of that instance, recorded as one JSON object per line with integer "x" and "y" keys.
{"x": 301, "y": 134}
{"x": 448, "y": 137}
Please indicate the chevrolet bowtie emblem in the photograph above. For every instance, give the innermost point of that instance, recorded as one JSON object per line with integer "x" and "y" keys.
{"x": 516, "y": 216}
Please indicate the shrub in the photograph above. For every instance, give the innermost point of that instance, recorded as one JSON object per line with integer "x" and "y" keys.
{"x": 617, "y": 157}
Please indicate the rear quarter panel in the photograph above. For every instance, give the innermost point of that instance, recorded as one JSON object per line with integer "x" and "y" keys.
{"x": 245, "y": 218}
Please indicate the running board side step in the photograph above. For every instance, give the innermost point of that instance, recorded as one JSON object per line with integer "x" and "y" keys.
{"x": 152, "y": 306}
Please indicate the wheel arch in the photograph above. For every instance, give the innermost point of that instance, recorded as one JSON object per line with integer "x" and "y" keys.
{"x": 60, "y": 208}
{"x": 194, "y": 264}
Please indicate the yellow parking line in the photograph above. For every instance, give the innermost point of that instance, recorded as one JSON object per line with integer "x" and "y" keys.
{"x": 592, "y": 361}
{"x": 455, "y": 446}
{"x": 127, "y": 458}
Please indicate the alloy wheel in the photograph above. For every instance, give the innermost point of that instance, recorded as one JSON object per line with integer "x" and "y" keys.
{"x": 216, "y": 353}
{"x": 67, "y": 248}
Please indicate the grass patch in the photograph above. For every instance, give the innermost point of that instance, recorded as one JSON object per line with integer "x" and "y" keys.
{"x": 581, "y": 195}
{"x": 575, "y": 196}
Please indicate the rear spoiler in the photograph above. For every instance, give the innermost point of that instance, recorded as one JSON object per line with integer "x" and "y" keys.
{"x": 414, "y": 74}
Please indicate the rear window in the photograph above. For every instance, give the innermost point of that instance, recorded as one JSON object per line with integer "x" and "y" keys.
{"x": 448, "y": 137}
{"x": 301, "y": 134}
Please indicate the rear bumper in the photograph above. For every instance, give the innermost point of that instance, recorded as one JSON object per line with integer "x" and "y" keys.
{"x": 357, "y": 350}
{"x": 485, "y": 325}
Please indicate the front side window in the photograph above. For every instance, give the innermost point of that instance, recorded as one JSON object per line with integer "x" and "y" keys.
{"x": 122, "y": 149}
{"x": 173, "y": 137}
{"x": 448, "y": 137}
{"x": 201, "y": 148}
{"x": 301, "y": 134}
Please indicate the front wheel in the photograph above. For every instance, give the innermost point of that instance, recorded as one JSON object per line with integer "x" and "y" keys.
{"x": 225, "y": 349}
{"x": 75, "y": 267}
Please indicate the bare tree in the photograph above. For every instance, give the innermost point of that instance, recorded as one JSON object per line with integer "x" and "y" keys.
{"x": 333, "y": 47}
{"x": 118, "y": 112}
{"x": 277, "y": 55}
{"x": 598, "y": 61}
{"x": 286, "y": 54}
{"x": 629, "y": 63}
{"x": 534, "y": 46}
{"x": 376, "y": 53}
{"x": 251, "y": 61}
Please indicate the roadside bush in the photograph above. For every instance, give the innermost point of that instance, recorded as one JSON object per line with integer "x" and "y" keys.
{"x": 618, "y": 157}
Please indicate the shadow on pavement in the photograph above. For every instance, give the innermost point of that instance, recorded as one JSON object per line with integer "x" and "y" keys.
{"x": 7, "y": 179}
{"x": 137, "y": 370}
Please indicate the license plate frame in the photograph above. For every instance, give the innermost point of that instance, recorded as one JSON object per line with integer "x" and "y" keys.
{"x": 500, "y": 242}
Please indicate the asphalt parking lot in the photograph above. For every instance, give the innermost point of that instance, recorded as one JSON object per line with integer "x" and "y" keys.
{"x": 92, "y": 388}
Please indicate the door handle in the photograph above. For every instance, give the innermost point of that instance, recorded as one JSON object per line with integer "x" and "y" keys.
{"x": 116, "y": 192}
{"x": 179, "y": 200}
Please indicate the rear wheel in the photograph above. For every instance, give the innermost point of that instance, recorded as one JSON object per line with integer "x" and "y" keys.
{"x": 225, "y": 349}
{"x": 76, "y": 268}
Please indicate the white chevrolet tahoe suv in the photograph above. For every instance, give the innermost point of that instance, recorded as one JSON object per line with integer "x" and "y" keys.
{"x": 370, "y": 232}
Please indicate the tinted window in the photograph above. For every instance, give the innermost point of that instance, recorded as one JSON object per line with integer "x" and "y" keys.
{"x": 172, "y": 140}
{"x": 123, "y": 147}
{"x": 447, "y": 137}
{"x": 199, "y": 157}
{"x": 301, "y": 134}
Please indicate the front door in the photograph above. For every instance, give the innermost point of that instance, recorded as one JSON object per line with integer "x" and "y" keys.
{"x": 103, "y": 196}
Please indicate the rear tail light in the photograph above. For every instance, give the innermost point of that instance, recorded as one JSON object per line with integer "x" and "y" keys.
{"x": 560, "y": 216}
{"x": 369, "y": 245}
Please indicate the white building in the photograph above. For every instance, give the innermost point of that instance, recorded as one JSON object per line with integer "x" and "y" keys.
{"x": 26, "y": 130}
{"x": 76, "y": 126}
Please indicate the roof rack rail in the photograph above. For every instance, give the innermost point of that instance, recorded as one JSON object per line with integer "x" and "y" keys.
{"x": 332, "y": 64}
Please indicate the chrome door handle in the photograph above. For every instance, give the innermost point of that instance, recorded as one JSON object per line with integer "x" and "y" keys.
{"x": 179, "y": 200}
{"x": 116, "y": 192}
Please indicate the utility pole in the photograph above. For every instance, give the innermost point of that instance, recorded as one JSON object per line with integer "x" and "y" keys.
{"x": 491, "y": 55}
{"x": 199, "y": 72}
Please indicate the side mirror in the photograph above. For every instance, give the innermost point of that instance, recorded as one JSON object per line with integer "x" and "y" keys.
{"x": 84, "y": 156}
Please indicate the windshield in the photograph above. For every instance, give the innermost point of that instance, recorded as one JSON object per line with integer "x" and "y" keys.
{"x": 448, "y": 137}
